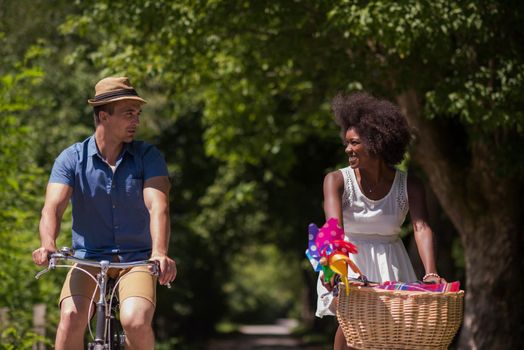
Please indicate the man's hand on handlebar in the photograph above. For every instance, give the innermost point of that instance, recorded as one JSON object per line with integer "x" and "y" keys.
{"x": 168, "y": 269}
{"x": 41, "y": 255}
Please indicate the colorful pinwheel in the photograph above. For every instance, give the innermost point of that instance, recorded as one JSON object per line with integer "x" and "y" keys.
{"x": 328, "y": 252}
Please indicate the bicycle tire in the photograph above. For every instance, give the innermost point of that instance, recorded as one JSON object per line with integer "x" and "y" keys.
{"x": 117, "y": 336}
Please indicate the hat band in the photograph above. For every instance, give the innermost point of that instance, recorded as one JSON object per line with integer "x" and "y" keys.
{"x": 113, "y": 94}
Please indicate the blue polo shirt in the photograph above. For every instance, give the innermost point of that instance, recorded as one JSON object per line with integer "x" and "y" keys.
{"x": 110, "y": 218}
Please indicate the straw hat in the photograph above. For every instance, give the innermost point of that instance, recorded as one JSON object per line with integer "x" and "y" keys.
{"x": 114, "y": 89}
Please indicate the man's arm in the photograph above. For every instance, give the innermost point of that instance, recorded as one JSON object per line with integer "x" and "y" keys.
{"x": 156, "y": 198}
{"x": 56, "y": 201}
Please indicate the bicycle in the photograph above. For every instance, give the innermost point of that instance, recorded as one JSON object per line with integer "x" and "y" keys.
{"x": 108, "y": 333}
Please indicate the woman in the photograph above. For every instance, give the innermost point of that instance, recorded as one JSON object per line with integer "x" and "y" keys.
{"x": 371, "y": 197}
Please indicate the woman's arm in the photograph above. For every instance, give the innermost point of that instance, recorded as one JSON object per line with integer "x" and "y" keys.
{"x": 333, "y": 189}
{"x": 421, "y": 228}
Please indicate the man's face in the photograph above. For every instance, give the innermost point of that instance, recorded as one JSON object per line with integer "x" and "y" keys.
{"x": 123, "y": 122}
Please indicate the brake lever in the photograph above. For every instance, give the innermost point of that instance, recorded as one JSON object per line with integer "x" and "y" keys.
{"x": 50, "y": 266}
{"x": 39, "y": 274}
{"x": 157, "y": 272}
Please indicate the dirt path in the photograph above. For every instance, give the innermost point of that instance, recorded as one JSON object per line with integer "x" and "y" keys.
{"x": 262, "y": 337}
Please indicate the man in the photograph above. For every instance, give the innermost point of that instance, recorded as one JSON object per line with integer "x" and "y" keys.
{"x": 119, "y": 191}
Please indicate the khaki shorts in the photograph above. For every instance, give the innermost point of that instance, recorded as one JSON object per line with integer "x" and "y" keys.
{"x": 134, "y": 282}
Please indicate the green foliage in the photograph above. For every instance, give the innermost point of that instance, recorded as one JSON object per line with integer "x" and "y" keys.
{"x": 254, "y": 71}
{"x": 16, "y": 338}
{"x": 19, "y": 178}
{"x": 263, "y": 266}
{"x": 20, "y": 182}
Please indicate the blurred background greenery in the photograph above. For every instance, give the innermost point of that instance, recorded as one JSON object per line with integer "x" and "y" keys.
{"x": 239, "y": 95}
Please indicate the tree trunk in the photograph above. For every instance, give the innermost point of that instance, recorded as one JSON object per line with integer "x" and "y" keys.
{"x": 485, "y": 210}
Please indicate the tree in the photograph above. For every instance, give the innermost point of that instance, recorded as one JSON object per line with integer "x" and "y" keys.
{"x": 456, "y": 83}
{"x": 20, "y": 178}
{"x": 262, "y": 73}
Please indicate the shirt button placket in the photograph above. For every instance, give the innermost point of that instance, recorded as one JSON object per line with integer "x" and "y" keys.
{"x": 114, "y": 206}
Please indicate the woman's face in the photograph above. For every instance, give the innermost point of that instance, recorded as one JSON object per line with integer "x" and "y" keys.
{"x": 356, "y": 150}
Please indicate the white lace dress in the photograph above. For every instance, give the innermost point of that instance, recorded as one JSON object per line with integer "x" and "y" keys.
{"x": 374, "y": 227}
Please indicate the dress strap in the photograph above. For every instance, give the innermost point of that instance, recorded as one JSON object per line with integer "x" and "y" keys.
{"x": 402, "y": 192}
{"x": 349, "y": 189}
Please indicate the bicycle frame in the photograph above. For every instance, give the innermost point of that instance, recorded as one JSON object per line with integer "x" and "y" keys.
{"x": 103, "y": 338}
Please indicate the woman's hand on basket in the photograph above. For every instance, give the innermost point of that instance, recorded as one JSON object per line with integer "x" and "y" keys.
{"x": 328, "y": 285}
{"x": 433, "y": 278}
{"x": 168, "y": 270}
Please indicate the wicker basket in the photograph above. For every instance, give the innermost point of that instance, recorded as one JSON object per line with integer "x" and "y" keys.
{"x": 390, "y": 319}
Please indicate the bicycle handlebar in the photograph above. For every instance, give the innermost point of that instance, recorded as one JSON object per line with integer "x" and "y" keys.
{"x": 103, "y": 263}
{"x": 66, "y": 255}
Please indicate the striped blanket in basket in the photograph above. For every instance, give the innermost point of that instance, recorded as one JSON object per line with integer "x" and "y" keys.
{"x": 422, "y": 287}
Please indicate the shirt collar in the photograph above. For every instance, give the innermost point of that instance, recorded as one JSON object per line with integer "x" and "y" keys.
{"x": 91, "y": 146}
{"x": 128, "y": 147}
{"x": 92, "y": 149}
